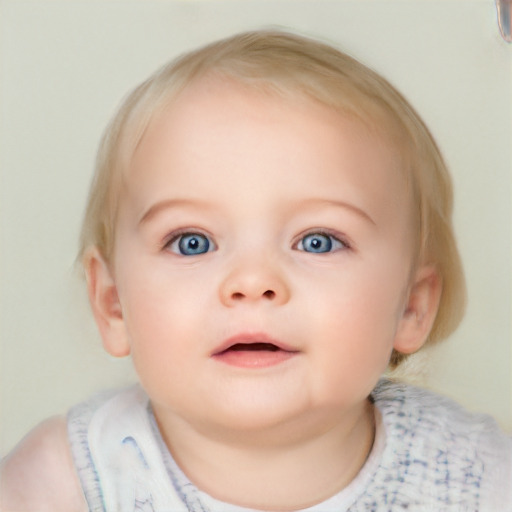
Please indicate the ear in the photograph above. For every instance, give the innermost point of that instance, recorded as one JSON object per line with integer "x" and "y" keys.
{"x": 420, "y": 310}
{"x": 105, "y": 304}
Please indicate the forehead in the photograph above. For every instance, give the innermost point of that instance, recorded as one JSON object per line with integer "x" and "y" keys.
{"x": 221, "y": 131}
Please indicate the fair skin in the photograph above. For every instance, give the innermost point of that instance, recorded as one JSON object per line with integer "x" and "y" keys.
{"x": 261, "y": 277}
{"x": 39, "y": 475}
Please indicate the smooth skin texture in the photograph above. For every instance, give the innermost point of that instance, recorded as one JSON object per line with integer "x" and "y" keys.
{"x": 39, "y": 475}
{"x": 249, "y": 217}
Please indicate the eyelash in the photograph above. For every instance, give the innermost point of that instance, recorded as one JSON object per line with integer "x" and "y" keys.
{"x": 174, "y": 242}
{"x": 177, "y": 237}
{"x": 336, "y": 241}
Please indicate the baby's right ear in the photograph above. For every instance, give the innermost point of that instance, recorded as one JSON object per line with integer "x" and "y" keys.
{"x": 105, "y": 304}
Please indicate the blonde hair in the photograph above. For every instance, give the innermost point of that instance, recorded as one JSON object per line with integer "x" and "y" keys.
{"x": 282, "y": 63}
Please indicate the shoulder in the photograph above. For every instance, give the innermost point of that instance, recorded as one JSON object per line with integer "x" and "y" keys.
{"x": 431, "y": 435}
{"x": 39, "y": 474}
{"x": 421, "y": 409}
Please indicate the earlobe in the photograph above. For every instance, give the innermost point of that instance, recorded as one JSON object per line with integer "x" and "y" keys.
{"x": 420, "y": 310}
{"x": 105, "y": 304}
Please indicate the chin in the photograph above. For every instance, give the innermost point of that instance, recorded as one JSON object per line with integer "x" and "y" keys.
{"x": 254, "y": 416}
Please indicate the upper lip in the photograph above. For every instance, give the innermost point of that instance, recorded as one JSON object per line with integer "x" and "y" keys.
{"x": 251, "y": 338}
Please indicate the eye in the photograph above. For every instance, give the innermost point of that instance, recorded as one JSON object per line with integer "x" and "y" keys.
{"x": 190, "y": 244}
{"x": 320, "y": 243}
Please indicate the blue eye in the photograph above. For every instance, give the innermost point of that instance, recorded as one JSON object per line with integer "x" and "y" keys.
{"x": 320, "y": 243}
{"x": 190, "y": 244}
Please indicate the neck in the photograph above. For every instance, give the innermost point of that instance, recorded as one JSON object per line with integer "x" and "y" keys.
{"x": 289, "y": 469}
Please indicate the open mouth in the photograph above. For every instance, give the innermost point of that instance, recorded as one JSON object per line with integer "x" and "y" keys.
{"x": 253, "y": 347}
{"x": 253, "y": 352}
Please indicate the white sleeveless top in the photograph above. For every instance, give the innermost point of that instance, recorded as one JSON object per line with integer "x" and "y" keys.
{"x": 429, "y": 455}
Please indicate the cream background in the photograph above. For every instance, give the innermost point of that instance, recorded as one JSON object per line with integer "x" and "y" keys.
{"x": 64, "y": 66}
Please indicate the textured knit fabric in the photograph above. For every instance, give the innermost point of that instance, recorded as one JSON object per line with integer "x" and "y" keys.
{"x": 429, "y": 455}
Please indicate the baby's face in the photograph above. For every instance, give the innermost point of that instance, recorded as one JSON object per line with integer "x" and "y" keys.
{"x": 263, "y": 251}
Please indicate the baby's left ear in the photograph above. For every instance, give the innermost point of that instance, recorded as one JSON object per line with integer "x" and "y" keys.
{"x": 420, "y": 310}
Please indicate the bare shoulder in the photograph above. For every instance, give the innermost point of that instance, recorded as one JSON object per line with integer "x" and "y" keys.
{"x": 38, "y": 475}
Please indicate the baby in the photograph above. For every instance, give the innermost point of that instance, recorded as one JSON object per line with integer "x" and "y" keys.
{"x": 269, "y": 230}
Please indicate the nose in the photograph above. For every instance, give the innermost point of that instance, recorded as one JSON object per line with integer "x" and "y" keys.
{"x": 253, "y": 281}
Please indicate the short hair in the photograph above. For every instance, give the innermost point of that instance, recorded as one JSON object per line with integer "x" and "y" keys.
{"x": 286, "y": 64}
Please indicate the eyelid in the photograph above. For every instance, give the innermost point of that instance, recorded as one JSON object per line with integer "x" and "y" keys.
{"x": 177, "y": 233}
{"x": 336, "y": 235}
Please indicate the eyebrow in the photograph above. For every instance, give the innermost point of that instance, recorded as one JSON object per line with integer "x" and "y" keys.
{"x": 166, "y": 204}
{"x": 340, "y": 204}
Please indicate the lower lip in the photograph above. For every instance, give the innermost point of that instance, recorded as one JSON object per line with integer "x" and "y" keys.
{"x": 254, "y": 358}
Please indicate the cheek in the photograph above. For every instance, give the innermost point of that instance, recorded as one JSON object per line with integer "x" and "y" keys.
{"x": 162, "y": 311}
{"x": 159, "y": 306}
{"x": 354, "y": 341}
{"x": 359, "y": 310}
{"x": 164, "y": 329}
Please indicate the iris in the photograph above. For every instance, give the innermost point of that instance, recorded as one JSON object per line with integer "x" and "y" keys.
{"x": 191, "y": 244}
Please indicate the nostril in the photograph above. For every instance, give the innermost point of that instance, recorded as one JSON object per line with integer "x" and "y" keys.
{"x": 238, "y": 296}
{"x": 269, "y": 294}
